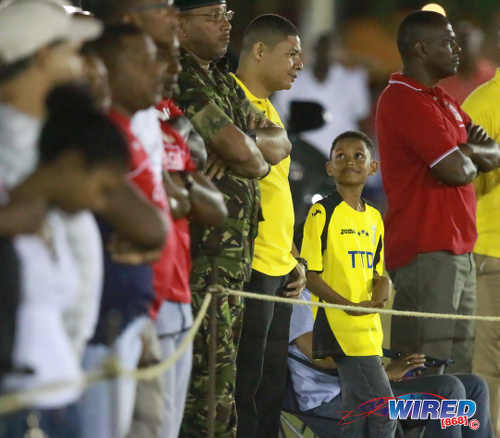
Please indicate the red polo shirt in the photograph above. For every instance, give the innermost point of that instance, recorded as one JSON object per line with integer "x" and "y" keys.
{"x": 177, "y": 158}
{"x": 417, "y": 127}
{"x": 142, "y": 174}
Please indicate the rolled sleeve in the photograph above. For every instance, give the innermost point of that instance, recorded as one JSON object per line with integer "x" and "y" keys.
{"x": 209, "y": 121}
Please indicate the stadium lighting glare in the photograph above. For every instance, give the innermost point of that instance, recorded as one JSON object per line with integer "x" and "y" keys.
{"x": 434, "y": 7}
{"x": 75, "y": 9}
{"x": 316, "y": 198}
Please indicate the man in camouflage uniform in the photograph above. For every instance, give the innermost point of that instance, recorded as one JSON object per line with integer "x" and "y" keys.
{"x": 233, "y": 131}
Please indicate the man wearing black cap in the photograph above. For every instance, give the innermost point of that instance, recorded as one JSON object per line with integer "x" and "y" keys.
{"x": 234, "y": 132}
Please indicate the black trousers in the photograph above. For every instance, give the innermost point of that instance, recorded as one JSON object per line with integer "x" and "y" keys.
{"x": 10, "y": 292}
{"x": 262, "y": 359}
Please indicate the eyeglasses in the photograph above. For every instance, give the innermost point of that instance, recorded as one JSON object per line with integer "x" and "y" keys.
{"x": 216, "y": 16}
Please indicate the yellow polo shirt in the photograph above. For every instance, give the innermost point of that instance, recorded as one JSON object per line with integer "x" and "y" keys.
{"x": 483, "y": 107}
{"x": 273, "y": 245}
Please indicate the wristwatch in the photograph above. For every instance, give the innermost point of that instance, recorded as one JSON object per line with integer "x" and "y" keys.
{"x": 302, "y": 261}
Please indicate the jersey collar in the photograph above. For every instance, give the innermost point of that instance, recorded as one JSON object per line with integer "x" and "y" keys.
{"x": 401, "y": 79}
{"x": 250, "y": 96}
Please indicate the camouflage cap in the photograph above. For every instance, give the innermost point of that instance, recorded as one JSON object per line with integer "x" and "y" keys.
{"x": 185, "y": 5}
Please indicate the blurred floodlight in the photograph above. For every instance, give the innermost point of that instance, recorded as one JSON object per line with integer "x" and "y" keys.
{"x": 75, "y": 10}
{"x": 434, "y": 7}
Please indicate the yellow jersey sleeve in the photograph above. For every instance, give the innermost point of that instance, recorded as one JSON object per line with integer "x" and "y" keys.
{"x": 311, "y": 241}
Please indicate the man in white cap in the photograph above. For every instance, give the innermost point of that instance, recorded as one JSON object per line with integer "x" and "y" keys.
{"x": 31, "y": 64}
{"x": 39, "y": 44}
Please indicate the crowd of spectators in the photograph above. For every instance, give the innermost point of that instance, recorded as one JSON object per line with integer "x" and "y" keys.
{"x": 136, "y": 172}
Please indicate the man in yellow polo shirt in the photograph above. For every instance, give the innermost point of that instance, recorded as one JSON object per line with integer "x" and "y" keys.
{"x": 270, "y": 61}
{"x": 483, "y": 107}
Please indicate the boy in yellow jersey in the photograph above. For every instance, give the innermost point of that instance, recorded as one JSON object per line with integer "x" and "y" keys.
{"x": 269, "y": 61}
{"x": 343, "y": 245}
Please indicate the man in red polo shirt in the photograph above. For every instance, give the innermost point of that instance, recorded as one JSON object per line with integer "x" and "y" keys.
{"x": 430, "y": 152}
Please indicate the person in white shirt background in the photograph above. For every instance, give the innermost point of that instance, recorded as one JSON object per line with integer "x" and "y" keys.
{"x": 343, "y": 91}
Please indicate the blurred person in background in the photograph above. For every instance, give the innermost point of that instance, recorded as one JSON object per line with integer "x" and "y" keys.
{"x": 82, "y": 157}
{"x": 343, "y": 91}
{"x": 483, "y": 107}
{"x": 430, "y": 153}
{"x": 193, "y": 197}
{"x": 270, "y": 60}
{"x": 124, "y": 327}
{"x": 474, "y": 69}
{"x": 234, "y": 132}
{"x": 31, "y": 65}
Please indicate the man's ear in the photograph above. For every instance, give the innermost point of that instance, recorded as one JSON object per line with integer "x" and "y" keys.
{"x": 420, "y": 49}
{"x": 258, "y": 50}
{"x": 374, "y": 166}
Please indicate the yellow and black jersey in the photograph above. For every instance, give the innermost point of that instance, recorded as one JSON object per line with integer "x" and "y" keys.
{"x": 345, "y": 246}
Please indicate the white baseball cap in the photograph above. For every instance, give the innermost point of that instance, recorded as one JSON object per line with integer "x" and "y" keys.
{"x": 28, "y": 25}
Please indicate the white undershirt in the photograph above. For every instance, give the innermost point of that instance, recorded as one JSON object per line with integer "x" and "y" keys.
{"x": 50, "y": 281}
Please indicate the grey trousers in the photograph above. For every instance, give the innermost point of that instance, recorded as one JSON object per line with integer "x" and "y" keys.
{"x": 487, "y": 347}
{"x": 363, "y": 379}
{"x": 437, "y": 282}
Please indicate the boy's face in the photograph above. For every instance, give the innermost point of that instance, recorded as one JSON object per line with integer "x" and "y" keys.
{"x": 351, "y": 162}
{"x": 281, "y": 64}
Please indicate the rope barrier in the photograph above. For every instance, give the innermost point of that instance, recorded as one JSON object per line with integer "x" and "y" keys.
{"x": 19, "y": 400}
{"x": 23, "y": 399}
{"x": 355, "y": 308}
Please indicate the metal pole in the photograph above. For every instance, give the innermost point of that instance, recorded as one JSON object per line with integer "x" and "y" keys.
{"x": 212, "y": 361}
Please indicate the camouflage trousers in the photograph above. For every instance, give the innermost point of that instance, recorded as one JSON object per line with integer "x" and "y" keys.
{"x": 229, "y": 322}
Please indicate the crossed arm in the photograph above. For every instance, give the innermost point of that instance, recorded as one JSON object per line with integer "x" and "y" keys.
{"x": 480, "y": 154}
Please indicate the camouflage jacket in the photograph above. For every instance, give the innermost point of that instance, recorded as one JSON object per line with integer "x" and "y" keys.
{"x": 211, "y": 100}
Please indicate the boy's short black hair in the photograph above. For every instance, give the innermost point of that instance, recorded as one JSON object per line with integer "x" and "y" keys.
{"x": 74, "y": 123}
{"x": 271, "y": 29}
{"x": 356, "y": 135}
{"x": 413, "y": 28}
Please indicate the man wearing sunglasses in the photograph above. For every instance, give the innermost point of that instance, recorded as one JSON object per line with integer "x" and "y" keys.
{"x": 234, "y": 133}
